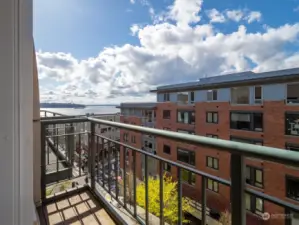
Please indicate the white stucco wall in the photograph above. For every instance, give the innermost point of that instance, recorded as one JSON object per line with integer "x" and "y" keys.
{"x": 16, "y": 140}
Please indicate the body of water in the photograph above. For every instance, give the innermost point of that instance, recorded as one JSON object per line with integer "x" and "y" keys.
{"x": 88, "y": 109}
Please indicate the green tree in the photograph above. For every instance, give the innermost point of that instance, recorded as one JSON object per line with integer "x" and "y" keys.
{"x": 170, "y": 197}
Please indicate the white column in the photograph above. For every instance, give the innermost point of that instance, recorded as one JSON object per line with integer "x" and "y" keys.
{"x": 16, "y": 113}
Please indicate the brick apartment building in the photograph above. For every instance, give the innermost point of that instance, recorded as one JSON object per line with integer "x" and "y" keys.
{"x": 255, "y": 108}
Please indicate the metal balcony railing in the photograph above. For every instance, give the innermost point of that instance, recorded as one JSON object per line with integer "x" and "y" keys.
{"x": 100, "y": 163}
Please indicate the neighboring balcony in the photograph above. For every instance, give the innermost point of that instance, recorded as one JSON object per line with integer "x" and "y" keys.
{"x": 94, "y": 184}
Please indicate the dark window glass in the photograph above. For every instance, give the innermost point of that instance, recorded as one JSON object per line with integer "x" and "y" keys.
{"x": 166, "y": 114}
{"x": 292, "y": 188}
{"x": 186, "y": 117}
{"x": 246, "y": 121}
{"x": 166, "y": 149}
{"x": 186, "y": 156}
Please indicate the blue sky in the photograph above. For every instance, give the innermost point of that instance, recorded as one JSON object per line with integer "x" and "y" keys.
{"x": 81, "y": 30}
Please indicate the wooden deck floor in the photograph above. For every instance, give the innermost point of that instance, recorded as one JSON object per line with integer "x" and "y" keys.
{"x": 77, "y": 209}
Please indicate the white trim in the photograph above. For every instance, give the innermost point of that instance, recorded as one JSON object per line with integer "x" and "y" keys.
{"x": 16, "y": 112}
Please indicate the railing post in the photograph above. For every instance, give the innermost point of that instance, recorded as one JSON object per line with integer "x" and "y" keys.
{"x": 237, "y": 168}
{"x": 92, "y": 154}
{"x": 43, "y": 161}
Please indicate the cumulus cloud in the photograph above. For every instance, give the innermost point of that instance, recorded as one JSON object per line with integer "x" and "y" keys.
{"x": 215, "y": 16}
{"x": 167, "y": 53}
{"x": 254, "y": 16}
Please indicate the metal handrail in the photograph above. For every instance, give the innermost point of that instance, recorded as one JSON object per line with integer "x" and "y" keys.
{"x": 248, "y": 150}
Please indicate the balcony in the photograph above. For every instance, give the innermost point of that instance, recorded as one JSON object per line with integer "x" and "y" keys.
{"x": 94, "y": 183}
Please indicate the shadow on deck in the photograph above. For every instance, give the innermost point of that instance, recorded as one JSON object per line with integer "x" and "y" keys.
{"x": 76, "y": 207}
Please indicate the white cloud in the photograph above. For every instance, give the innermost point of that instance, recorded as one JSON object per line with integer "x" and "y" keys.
{"x": 166, "y": 53}
{"x": 132, "y": 1}
{"x": 134, "y": 29}
{"x": 185, "y": 12}
{"x": 254, "y": 16}
{"x": 235, "y": 15}
{"x": 296, "y": 9}
{"x": 215, "y": 16}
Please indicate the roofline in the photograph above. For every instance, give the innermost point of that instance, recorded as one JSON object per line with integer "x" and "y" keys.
{"x": 266, "y": 80}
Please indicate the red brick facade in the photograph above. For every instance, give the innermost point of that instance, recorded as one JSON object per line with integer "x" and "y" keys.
{"x": 273, "y": 135}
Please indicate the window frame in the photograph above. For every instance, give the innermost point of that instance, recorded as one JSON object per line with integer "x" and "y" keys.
{"x": 212, "y": 112}
{"x": 252, "y": 178}
{"x": 286, "y": 93}
{"x": 231, "y": 95}
{"x": 213, "y": 185}
{"x": 133, "y": 139}
{"x": 183, "y": 93}
{"x": 289, "y": 177}
{"x": 163, "y": 115}
{"x": 287, "y": 124}
{"x": 190, "y": 153}
{"x": 212, "y": 136}
{"x": 247, "y": 140}
{"x": 183, "y": 131}
{"x": 169, "y": 149}
{"x": 167, "y": 166}
{"x": 290, "y": 145}
{"x": 213, "y": 162}
{"x": 214, "y": 95}
{"x": 166, "y": 97}
{"x": 190, "y": 113}
{"x": 189, "y": 180}
{"x": 192, "y": 100}
{"x": 251, "y": 125}
{"x": 258, "y": 101}
{"x": 253, "y": 209}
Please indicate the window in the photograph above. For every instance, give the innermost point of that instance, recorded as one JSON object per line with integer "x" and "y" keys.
{"x": 254, "y": 204}
{"x": 166, "y": 114}
{"x": 292, "y": 147}
{"x": 212, "y": 185}
{"x": 188, "y": 177}
{"x": 292, "y": 124}
{"x": 186, "y": 132}
{"x": 166, "y": 128}
{"x": 133, "y": 139}
{"x": 212, "y": 117}
{"x": 239, "y": 95}
{"x": 212, "y": 95}
{"x": 192, "y": 97}
{"x": 292, "y": 188}
{"x": 254, "y": 176}
{"x": 246, "y": 121}
{"x": 166, "y": 149}
{"x": 166, "y": 97}
{"x": 212, "y": 162}
{"x": 258, "y": 94}
{"x": 182, "y": 97}
{"x": 246, "y": 140}
{"x": 293, "y": 93}
{"x": 212, "y": 136}
{"x": 186, "y": 156}
{"x": 186, "y": 117}
{"x": 167, "y": 167}
{"x": 126, "y": 137}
